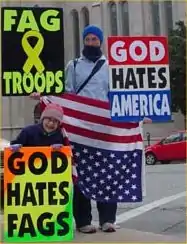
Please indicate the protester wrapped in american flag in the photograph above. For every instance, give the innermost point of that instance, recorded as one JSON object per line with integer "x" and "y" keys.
{"x": 108, "y": 155}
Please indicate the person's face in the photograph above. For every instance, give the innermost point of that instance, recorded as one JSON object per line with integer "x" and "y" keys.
{"x": 50, "y": 124}
{"x": 92, "y": 40}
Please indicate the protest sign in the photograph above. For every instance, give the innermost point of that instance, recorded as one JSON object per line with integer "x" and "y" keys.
{"x": 139, "y": 78}
{"x": 38, "y": 195}
{"x": 32, "y": 51}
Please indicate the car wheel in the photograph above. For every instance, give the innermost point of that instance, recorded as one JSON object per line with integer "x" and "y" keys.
{"x": 150, "y": 159}
{"x": 165, "y": 162}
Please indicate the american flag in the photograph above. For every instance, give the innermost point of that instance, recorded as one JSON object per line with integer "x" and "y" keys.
{"x": 108, "y": 155}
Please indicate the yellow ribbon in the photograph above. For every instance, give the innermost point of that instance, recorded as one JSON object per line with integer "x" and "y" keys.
{"x": 33, "y": 53}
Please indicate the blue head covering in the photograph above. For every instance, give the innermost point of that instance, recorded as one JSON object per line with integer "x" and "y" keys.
{"x": 92, "y": 29}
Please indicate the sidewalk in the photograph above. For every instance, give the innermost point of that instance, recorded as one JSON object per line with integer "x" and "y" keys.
{"x": 122, "y": 236}
{"x": 125, "y": 235}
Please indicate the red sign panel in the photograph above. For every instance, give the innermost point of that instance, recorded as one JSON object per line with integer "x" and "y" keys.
{"x": 125, "y": 50}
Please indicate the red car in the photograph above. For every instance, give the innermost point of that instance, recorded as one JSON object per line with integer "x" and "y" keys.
{"x": 168, "y": 149}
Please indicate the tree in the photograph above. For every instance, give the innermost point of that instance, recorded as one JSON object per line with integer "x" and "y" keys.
{"x": 177, "y": 54}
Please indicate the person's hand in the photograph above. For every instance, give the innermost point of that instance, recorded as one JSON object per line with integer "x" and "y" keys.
{"x": 147, "y": 121}
{"x": 35, "y": 95}
{"x": 56, "y": 146}
{"x": 15, "y": 147}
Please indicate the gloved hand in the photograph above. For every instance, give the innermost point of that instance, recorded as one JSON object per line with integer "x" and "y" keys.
{"x": 15, "y": 147}
{"x": 56, "y": 146}
{"x": 35, "y": 96}
{"x": 147, "y": 120}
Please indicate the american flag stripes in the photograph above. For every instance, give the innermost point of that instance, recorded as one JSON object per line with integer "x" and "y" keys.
{"x": 108, "y": 155}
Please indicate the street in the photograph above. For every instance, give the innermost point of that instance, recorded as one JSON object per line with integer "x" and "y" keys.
{"x": 163, "y": 210}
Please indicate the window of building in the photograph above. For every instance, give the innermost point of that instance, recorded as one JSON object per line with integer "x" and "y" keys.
{"x": 125, "y": 17}
{"x": 85, "y": 17}
{"x": 168, "y": 15}
{"x": 75, "y": 29}
{"x": 155, "y": 17}
{"x": 113, "y": 18}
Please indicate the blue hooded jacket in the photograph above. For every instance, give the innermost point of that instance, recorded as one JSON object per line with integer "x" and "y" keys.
{"x": 34, "y": 135}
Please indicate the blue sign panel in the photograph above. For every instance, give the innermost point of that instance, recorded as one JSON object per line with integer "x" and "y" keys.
{"x": 128, "y": 106}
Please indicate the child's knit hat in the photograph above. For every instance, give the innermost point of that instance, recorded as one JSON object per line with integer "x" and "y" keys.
{"x": 53, "y": 111}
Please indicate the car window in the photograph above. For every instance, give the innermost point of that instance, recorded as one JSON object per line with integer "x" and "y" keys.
{"x": 184, "y": 136}
{"x": 172, "y": 138}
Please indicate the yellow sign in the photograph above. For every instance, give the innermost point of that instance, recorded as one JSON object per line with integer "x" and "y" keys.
{"x": 33, "y": 51}
{"x": 38, "y": 192}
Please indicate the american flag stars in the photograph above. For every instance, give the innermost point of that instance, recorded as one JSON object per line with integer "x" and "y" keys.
{"x": 134, "y": 165}
{"x": 112, "y": 176}
{"x": 133, "y": 187}
{"x": 98, "y": 153}
{"x": 85, "y": 150}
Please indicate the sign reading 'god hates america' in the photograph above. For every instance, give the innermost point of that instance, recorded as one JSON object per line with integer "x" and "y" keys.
{"x": 139, "y": 78}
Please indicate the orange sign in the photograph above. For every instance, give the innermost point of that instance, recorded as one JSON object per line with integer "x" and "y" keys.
{"x": 38, "y": 195}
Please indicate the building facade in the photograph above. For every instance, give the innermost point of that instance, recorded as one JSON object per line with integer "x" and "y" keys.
{"x": 115, "y": 18}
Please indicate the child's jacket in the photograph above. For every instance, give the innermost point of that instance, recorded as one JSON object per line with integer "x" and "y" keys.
{"x": 34, "y": 135}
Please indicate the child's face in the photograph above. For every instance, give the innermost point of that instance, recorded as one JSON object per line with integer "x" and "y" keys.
{"x": 50, "y": 124}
